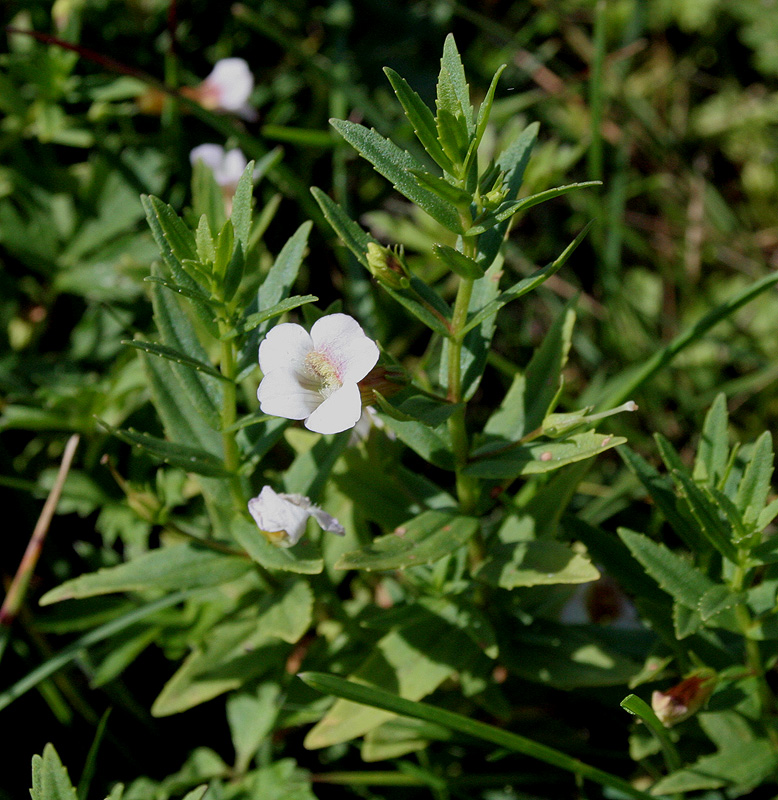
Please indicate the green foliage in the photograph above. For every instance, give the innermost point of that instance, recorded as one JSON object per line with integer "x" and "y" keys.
{"x": 497, "y": 558}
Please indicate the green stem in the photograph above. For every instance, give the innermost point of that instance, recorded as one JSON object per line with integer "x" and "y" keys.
{"x": 228, "y": 417}
{"x": 753, "y": 653}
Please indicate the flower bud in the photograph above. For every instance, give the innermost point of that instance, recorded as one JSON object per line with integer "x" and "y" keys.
{"x": 686, "y": 698}
{"x": 386, "y": 380}
{"x": 387, "y": 266}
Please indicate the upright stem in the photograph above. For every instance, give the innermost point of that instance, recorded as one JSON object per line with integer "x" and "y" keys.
{"x": 754, "y": 655}
{"x": 228, "y": 417}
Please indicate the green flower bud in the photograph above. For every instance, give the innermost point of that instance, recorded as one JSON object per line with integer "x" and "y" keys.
{"x": 387, "y": 266}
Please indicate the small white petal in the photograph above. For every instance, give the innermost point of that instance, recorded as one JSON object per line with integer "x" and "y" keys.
{"x": 274, "y": 514}
{"x": 231, "y": 78}
{"x": 341, "y": 337}
{"x": 339, "y": 412}
{"x": 232, "y": 168}
{"x": 281, "y": 395}
{"x": 326, "y": 521}
{"x": 212, "y": 155}
{"x": 284, "y": 347}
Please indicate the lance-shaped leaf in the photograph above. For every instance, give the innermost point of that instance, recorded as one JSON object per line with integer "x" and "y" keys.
{"x": 255, "y": 320}
{"x": 676, "y": 575}
{"x": 756, "y": 481}
{"x": 179, "y": 334}
{"x": 427, "y": 538}
{"x": 369, "y": 695}
{"x": 350, "y": 233}
{"x": 420, "y": 116}
{"x": 464, "y": 266}
{"x": 396, "y": 165}
{"x": 453, "y": 91}
{"x": 282, "y": 275}
{"x": 510, "y": 207}
{"x": 241, "y": 205}
{"x": 535, "y": 563}
{"x": 526, "y": 285}
{"x": 660, "y": 487}
{"x": 512, "y": 162}
{"x": 442, "y": 188}
{"x": 713, "y": 449}
{"x": 191, "y": 459}
{"x": 303, "y": 558}
{"x": 177, "y": 357}
{"x": 486, "y": 107}
{"x": 531, "y": 459}
{"x": 179, "y": 566}
{"x": 50, "y": 779}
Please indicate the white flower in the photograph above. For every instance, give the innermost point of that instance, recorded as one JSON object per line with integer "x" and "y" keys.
{"x": 284, "y": 516}
{"x": 227, "y": 166}
{"x": 228, "y": 88}
{"x": 314, "y": 376}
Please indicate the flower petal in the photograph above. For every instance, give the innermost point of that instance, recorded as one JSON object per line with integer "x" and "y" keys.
{"x": 212, "y": 155}
{"x": 281, "y": 395}
{"x": 285, "y": 347}
{"x": 232, "y": 79}
{"x": 347, "y": 347}
{"x": 326, "y": 521}
{"x": 339, "y": 412}
{"x": 273, "y": 514}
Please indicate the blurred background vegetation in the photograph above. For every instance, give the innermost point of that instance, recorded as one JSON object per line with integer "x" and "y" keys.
{"x": 672, "y": 104}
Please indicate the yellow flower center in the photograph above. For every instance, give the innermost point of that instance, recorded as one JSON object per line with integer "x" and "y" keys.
{"x": 324, "y": 371}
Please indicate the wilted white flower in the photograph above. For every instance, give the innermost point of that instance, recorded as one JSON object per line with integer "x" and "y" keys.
{"x": 283, "y": 517}
{"x": 314, "y": 376}
{"x": 228, "y": 88}
{"x": 226, "y": 165}
{"x": 601, "y": 601}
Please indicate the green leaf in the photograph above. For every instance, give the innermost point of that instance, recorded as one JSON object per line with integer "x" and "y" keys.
{"x": 712, "y": 457}
{"x": 174, "y": 355}
{"x": 453, "y": 136}
{"x": 176, "y": 239}
{"x": 512, "y": 161}
{"x": 76, "y": 649}
{"x": 50, "y": 779}
{"x": 677, "y": 576}
{"x": 458, "y": 262}
{"x": 432, "y": 444}
{"x": 302, "y": 558}
{"x": 191, "y": 459}
{"x": 531, "y": 459}
{"x": 486, "y": 106}
{"x": 661, "y": 490}
{"x": 716, "y": 530}
{"x": 223, "y": 249}
{"x": 179, "y": 334}
{"x": 254, "y": 321}
{"x": 241, "y": 206}
{"x": 718, "y": 599}
{"x": 377, "y": 698}
{"x": 414, "y": 661}
{"x": 526, "y": 285}
{"x": 544, "y": 371}
{"x": 233, "y": 274}
{"x": 420, "y": 117}
{"x": 204, "y": 242}
{"x": 535, "y": 563}
{"x": 565, "y": 657}
{"x": 453, "y": 91}
{"x": 350, "y": 233}
{"x": 196, "y": 294}
{"x": 510, "y": 207}
{"x": 177, "y": 566}
{"x": 756, "y": 481}
{"x": 423, "y": 540}
{"x": 442, "y": 188}
{"x": 252, "y": 717}
{"x": 396, "y": 166}
{"x": 282, "y": 275}
{"x": 743, "y": 766}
